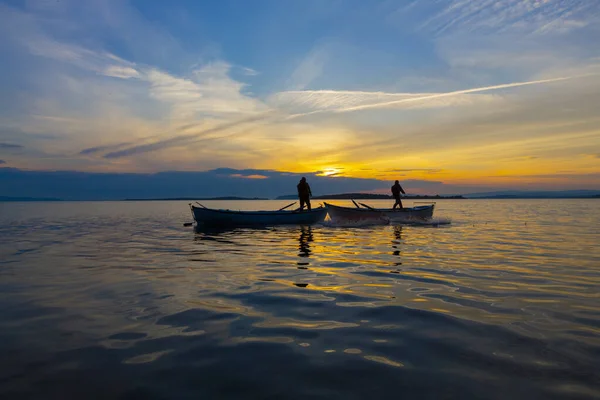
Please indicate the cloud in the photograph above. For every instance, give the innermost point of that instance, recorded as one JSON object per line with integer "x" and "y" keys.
{"x": 121, "y": 72}
{"x": 208, "y": 92}
{"x": 437, "y": 96}
{"x": 2, "y": 162}
{"x": 181, "y": 140}
{"x": 339, "y": 100}
{"x": 100, "y": 149}
{"x": 144, "y": 102}
{"x": 99, "y": 61}
{"x": 252, "y": 176}
{"x": 553, "y": 176}
{"x": 310, "y": 68}
{"x": 249, "y": 71}
{"x": 216, "y": 182}
{"x": 119, "y": 93}
{"x": 524, "y": 16}
{"x": 123, "y": 22}
{"x": 343, "y": 102}
{"x": 10, "y": 146}
{"x": 534, "y": 129}
{"x": 427, "y": 170}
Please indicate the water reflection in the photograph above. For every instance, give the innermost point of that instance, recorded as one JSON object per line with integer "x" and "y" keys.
{"x": 487, "y": 300}
{"x": 396, "y": 242}
{"x": 306, "y": 237}
{"x": 203, "y": 230}
{"x": 304, "y": 241}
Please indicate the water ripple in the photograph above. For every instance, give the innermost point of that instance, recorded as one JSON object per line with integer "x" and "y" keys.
{"x": 117, "y": 300}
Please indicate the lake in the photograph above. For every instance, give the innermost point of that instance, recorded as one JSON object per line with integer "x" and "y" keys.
{"x": 119, "y": 300}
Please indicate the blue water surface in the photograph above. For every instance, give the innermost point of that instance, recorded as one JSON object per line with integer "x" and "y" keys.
{"x": 110, "y": 300}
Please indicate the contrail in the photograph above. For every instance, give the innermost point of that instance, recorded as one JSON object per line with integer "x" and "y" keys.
{"x": 189, "y": 138}
{"x": 448, "y": 94}
{"x": 432, "y": 96}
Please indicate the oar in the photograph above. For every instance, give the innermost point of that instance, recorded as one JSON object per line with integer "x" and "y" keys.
{"x": 289, "y": 205}
{"x": 366, "y": 206}
{"x": 357, "y": 206}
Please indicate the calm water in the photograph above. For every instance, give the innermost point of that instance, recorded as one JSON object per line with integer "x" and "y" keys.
{"x": 119, "y": 300}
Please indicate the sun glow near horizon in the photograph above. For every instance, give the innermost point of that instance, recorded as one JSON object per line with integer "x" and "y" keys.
{"x": 457, "y": 109}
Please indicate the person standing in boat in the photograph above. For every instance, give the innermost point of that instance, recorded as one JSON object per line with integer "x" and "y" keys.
{"x": 396, "y": 190}
{"x": 304, "y": 193}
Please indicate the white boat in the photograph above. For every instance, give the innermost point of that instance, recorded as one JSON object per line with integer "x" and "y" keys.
{"x": 406, "y": 214}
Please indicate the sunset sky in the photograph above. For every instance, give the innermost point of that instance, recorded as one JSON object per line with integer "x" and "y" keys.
{"x": 498, "y": 94}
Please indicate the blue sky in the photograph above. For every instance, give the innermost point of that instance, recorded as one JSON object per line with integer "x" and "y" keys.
{"x": 501, "y": 94}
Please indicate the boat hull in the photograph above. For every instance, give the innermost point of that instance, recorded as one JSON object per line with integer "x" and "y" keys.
{"x": 339, "y": 213}
{"x": 215, "y": 217}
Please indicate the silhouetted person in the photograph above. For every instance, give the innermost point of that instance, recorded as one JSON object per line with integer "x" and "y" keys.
{"x": 396, "y": 189}
{"x": 304, "y": 193}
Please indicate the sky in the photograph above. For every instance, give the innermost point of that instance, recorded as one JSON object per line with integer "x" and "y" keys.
{"x": 443, "y": 94}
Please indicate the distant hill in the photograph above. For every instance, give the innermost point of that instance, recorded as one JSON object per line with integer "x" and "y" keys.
{"x": 221, "y": 182}
{"x": 516, "y": 194}
{"x": 366, "y": 196}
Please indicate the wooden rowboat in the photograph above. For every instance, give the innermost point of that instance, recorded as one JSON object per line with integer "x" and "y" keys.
{"x": 407, "y": 214}
{"x": 219, "y": 217}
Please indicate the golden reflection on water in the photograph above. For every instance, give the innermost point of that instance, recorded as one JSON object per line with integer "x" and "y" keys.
{"x": 486, "y": 266}
{"x": 486, "y": 296}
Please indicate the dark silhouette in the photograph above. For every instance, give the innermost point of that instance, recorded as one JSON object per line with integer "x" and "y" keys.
{"x": 304, "y": 193}
{"x": 396, "y": 244}
{"x": 306, "y": 237}
{"x": 396, "y": 189}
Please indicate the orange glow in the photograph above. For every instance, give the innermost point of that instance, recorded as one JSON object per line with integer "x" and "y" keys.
{"x": 255, "y": 176}
{"x": 331, "y": 171}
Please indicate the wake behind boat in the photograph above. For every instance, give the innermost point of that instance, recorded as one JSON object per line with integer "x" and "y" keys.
{"x": 220, "y": 217}
{"x": 407, "y": 214}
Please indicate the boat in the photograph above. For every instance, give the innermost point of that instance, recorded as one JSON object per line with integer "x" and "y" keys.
{"x": 223, "y": 217}
{"x": 406, "y": 214}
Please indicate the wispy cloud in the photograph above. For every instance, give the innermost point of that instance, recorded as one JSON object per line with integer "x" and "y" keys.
{"x": 436, "y": 96}
{"x": 176, "y": 103}
{"x": 101, "y": 149}
{"x": 251, "y": 176}
{"x": 210, "y": 91}
{"x": 331, "y": 101}
{"x": 523, "y": 16}
{"x": 341, "y": 102}
{"x": 10, "y": 146}
{"x": 186, "y": 139}
{"x": 427, "y": 170}
{"x": 101, "y": 62}
{"x": 310, "y": 68}
{"x": 249, "y": 71}
{"x": 2, "y": 162}
{"x": 124, "y": 93}
{"x": 121, "y": 72}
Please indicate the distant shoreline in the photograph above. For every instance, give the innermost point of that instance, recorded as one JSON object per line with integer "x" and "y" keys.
{"x": 369, "y": 196}
{"x": 332, "y": 197}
